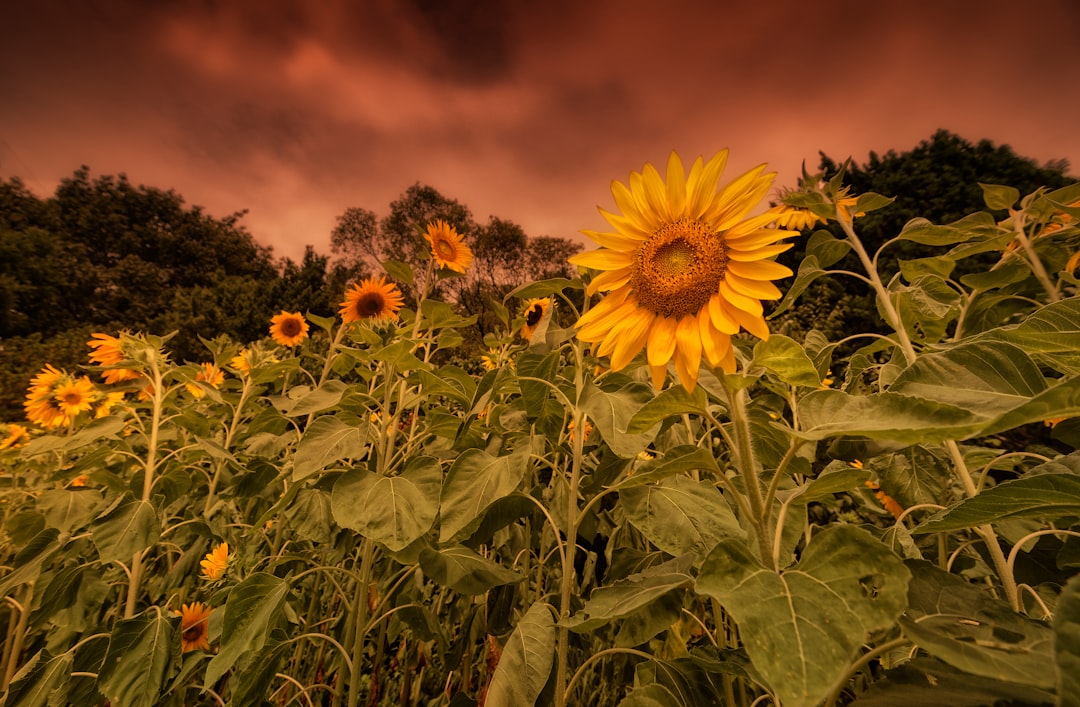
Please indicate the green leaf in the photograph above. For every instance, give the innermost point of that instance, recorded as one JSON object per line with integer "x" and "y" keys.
{"x": 526, "y": 660}
{"x": 392, "y": 510}
{"x": 1049, "y": 335}
{"x": 803, "y": 626}
{"x": 680, "y": 515}
{"x": 465, "y": 571}
{"x": 400, "y": 355}
{"x": 35, "y": 682}
{"x": 1044, "y": 496}
{"x": 254, "y": 608}
{"x": 830, "y": 482}
{"x": 128, "y": 528}
{"x": 669, "y": 403}
{"x": 892, "y": 416}
{"x": 402, "y": 272}
{"x": 974, "y": 226}
{"x": 926, "y": 681}
{"x": 143, "y": 651}
{"x": 984, "y": 377}
{"x": 869, "y": 201}
{"x": 828, "y": 249}
{"x": 441, "y": 315}
{"x": 256, "y": 676}
{"x": 326, "y": 440}
{"x": 69, "y": 509}
{"x": 534, "y": 392}
{"x": 325, "y": 396}
{"x": 809, "y": 270}
{"x": 475, "y": 481}
{"x": 1067, "y": 638}
{"x": 544, "y": 288}
{"x": 784, "y": 358}
{"x": 654, "y": 695}
{"x": 627, "y": 596}
{"x": 28, "y": 561}
{"x": 998, "y": 197}
{"x": 963, "y": 625}
{"x": 675, "y": 461}
{"x": 612, "y": 412}
{"x": 310, "y": 516}
{"x": 97, "y": 429}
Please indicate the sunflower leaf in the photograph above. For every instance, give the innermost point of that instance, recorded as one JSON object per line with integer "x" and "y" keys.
{"x": 475, "y": 481}
{"x": 35, "y": 682}
{"x": 526, "y": 661}
{"x": 674, "y": 401}
{"x": 254, "y": 608}
{"x": 143, "y": 651}
{"x": 392, "y": 510}
{"x": 1045, "y": 496}
{"x": 465, "y": 571}
{"x": 680, "y": 515}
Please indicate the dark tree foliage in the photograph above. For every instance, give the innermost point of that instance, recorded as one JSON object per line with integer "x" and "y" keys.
{"x": 939, "y": 180}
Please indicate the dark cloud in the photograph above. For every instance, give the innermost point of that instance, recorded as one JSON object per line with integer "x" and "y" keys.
{"x": 297, "y": 111}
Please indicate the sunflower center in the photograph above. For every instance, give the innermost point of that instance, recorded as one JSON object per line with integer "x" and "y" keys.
{"x": 533, "y": 316}
{"x": 678, "y": 268}
{"x": 370, "y": 305}
{"x": 445, "y": 250}
{"x": 72, "y": 397}
{"x": 193, "y": 633}
{"x": 290, "y": 327}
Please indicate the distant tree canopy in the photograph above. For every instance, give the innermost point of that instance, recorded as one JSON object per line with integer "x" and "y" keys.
{"x": 939, "y": 180}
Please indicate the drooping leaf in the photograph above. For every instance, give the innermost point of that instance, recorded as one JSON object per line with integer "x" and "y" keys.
{"x": 38, "y": 678}
{"x": 786, "y": 359}
{"x": 326, "y": 440}
{"x": 253, "y": 609}
{"x": 325, "y": 396}
{"x": 628, "y": 595}
{"x": 678, "y": 460}
{"x": 964, "y": 626}
{"x": 680, "y": 515}
{"x": 69, "y": 509}
{"x": 892, "y": 416}
{"x": 128, "y": 528}
{"x": 143, "y": 652}
{"x": 475, "y": 481}
{"x": 526, "y": 660}
{"x": 669, "y": 403}
{"x": 802, "y": 626}
{"x": 465, "y": 571}
{"x": 926, "y": 681}
{"x": 392, "y": 510}
{"x": 28, "y": 561}
{"x": 1045, "y": 496}
{"x": 611, "y": 414}
{"x": 543, "y": 288}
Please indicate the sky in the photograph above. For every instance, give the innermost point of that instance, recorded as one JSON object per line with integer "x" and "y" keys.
{"x": 296, "y": 111}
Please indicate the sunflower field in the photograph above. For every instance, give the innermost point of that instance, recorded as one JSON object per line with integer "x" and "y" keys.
{"x": 639, "y": 496}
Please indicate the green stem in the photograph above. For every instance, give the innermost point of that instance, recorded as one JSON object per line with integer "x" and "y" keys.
{"x": 1033, "y": 259}
{"x": 360, "y": 617}
{"x": 744, "y": 449}
{"x": 156, "y": 402}
{"x": 20, "y": 635}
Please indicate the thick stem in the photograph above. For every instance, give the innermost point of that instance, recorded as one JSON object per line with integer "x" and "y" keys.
{"x": 360, "y": 617}
{"x": 1033, "y": 259}
{"x": 20, "y": 636}
{"x": 744, "y": 449}
{"x": 156, "y": 402}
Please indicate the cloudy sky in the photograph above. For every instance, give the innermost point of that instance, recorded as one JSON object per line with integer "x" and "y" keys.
{"x": 523, "y": 110}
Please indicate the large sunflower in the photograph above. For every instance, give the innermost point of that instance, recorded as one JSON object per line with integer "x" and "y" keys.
{"x": 447, "y": 247}
{"x": 193, "y": 626}
{"x": 686, "y": 266}
{"x": 107, "y": 351}
{"x": 371, "y": 299}
{"x": 288, "y": 328}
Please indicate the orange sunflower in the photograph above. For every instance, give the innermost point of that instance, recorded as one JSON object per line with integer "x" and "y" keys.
{"x": 195, "y": 627}
{"x": 13, "y": 435}
{"x": 686, "y": 268}
{"x": 217, "y": 560}
{"x": 56, "y": 397}
{"x": 447, "y": 247}
{"x": 209, "y": 374}
{"x": 535, "y": 311}
{"x": 288, "y": 328}
{"x": 371, "y": 299}
{"x": 107, "y": 352}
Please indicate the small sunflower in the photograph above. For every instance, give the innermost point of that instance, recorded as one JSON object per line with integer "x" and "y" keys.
{"x": 490, "y": 360}
{"x": 535, "y": 311}
{"x": 242, "y": 362}
{"x": 79, "y": 481}
{"x": 447, "y": 247}
{"x": 107, "y": 351}
{"x": 213, "y": 567}
{"x": 887, "y": 502}
{"x": 209, "y": 374}
{"x": 371, "y": 299}
{"x": 75, "y": 396}
{"x": 56, "y": 398}
{"x": 194, "y": 628}
{"x": 16, "y": 435}
{"x": 106, "y": 404}
{"x": 686, "y": 268}
{"x": 288, "y": 328}
{"x": 570, "y": 429}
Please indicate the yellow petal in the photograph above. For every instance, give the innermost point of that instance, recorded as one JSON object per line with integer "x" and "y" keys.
{"x": 632, "y": 338}
{"x": 759, "y": 270}
{"x": 760, "y": 289}
{"x": 615, "y": 241}
{"x": 656, "y": 192}
{"x": 759, "y": 186}
{"x": 603, "y": 259}
{"x": 739, "y": 301}
{"x": 625, "y": 224}
{"x": 767, "y": 251}
{"x": 755, "y": 239}
{"x": 659, "y": 375}
{"x": 688, "y": 352}
{"x": 676, "y": 185}
{"x": 611, "y": 280}
{"x": 702, "y": 193}
{"x": 733, "y": 198}
{"x": 713, "y": 343}
{"x": 728, "y": 362}
{"x": 755, "y": 324}
{"x": 721, "y": 320}
{"x": 603, "y": 309}
{"x": 661, "y": 341}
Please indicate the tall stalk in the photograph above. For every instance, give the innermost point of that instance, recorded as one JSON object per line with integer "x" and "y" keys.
{"x": 157, "y": 400}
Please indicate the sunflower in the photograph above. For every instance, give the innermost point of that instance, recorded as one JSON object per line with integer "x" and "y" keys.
{"x": 105, "y": 406}
{"x": 371, "y": 299}
{"x": 799, "y": 219}
{"x": 242, "y": 362}
{"x": 288, "y": 328}
{"x": 55, "y": 397}
{"x": 194, "y": 627}
{"x": 213, "y": 567}
{"x": 570, "y": 428}
{"x": 107, "y": 352}
{"x": 209, "y": 374}
{"x": 686, "y": 268}
{"x": 75, "y": 396}
{"x": 535, "y": 311}
{"x": 15, "y": 436}
{"x": 490, "y": 360}
{"x": 447, "y": 247}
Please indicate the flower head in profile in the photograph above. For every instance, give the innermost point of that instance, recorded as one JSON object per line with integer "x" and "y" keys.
{"x": 686, "y": 268}
{"x": 242, "y": 362}
{"x": 12, "y": 435}
{"x": 209, "y": 374}
{"x": 447, "y": 247}
{"x": 107, "y": 351}
{"x": 490, "y": 360}
{"x": 371, "y": 299}
{"x": 194, "y": 627}
{"x": 535, "y": 311}
{"x": 217, "y": 560}
{"x": 288, "y": 328}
